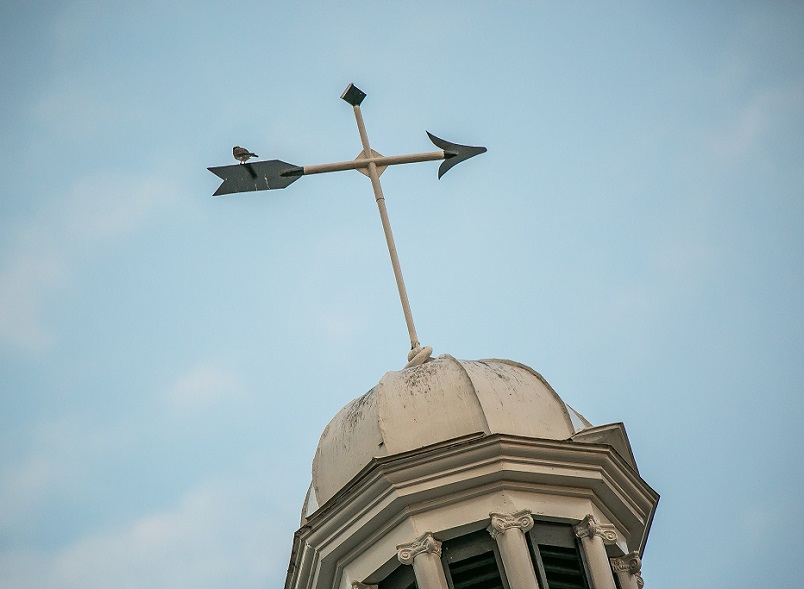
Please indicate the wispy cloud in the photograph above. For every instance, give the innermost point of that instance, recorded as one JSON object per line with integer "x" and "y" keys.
{"x": 26, "y": 275}
{"x": 684, "y": 262}
{"x": 214, "y": 537}
{"x": 55, "y": 465}
{"x": 77, "y": 109}
{"x": 65, "y": 456}
{"x": 749, "y": 125}
{"x": 41, "y": 251}
{"x": 202, "y": 386}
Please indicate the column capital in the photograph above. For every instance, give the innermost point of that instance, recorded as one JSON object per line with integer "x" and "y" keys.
{"x": 630, "y": 564}
{"x": 424, "y": 544}
{"x": 501, "y": 522}
{"x": 589, "y": 527}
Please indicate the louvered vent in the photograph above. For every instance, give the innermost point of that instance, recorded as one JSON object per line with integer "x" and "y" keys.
{"x": 562, "y": 567}
{"x": 472, "y": 562}
{"x": 476, "y": 572}
{"x": 557, "y": 556}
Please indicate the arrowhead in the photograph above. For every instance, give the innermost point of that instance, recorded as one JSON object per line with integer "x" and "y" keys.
{"x": 453, "y": 153}
{"x": 267, "y": 175}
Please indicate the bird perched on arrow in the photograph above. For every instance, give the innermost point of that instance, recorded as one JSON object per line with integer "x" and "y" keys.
{"x": 242, "y": 154}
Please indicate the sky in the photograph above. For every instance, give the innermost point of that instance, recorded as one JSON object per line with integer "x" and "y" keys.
{"x": 168, "y": 360}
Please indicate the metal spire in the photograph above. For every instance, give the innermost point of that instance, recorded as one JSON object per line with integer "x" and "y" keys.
{"x": 274, "y": 174}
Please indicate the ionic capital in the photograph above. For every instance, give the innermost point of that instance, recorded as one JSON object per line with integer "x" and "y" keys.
{"x": 424, "y": 544}
{"x": 501, "y": 522}
{"x": 630, "y": 564}
{"x": 589, "y": 527}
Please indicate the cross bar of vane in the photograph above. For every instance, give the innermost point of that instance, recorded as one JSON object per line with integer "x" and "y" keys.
{"x": 276, "y": 174}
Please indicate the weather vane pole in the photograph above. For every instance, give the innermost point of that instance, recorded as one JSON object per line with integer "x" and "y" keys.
{"x": 354, "y": 97}
{"x": 267, "y": 175}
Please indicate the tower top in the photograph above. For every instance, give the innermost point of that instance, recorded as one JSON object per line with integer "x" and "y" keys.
{"x": 471, "y": 457}
{"x": 442, "y": 400}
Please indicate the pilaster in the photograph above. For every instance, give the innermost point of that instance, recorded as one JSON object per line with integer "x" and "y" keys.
{"x": 594, "y": 537}
{"x": 508, "y": 530}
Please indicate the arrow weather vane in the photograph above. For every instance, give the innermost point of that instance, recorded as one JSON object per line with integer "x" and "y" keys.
{"x": 274, "y": 174}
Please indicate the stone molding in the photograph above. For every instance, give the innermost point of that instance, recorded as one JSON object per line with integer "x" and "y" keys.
{"x": 630, "y": 564}
{"x": 424, "y": 544}
{"x": 589, "y": 527}
{"x": 501, "y": 522}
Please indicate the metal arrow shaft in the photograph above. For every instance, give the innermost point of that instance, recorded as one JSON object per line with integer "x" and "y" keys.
{"x": 386, "y": 225}
{"x": 364, "y": 162}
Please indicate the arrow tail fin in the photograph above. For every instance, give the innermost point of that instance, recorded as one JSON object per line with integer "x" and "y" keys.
{"x": 269, "y": 175}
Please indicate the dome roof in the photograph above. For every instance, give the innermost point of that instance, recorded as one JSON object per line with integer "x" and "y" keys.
{"x": 437, "y": 401}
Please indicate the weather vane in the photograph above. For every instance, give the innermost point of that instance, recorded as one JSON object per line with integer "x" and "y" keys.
{"x": 273, "y": 174}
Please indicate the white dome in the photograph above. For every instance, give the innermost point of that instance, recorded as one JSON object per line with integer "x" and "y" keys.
{"x": 437, "y": 401}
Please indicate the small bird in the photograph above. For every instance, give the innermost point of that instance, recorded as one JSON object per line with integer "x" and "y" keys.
{"x": 242, "y": 154}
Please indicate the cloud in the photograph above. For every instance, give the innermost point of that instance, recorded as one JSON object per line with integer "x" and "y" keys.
{"x": 338, "y": 327}
{"x": 62, "y": 460}
{"x": 77, "y": 110}
{"x": 684, "y": 263}
{"x": 216, "y": 536}
{"x": 202, "y": 386}
{"x": 55, "y": 466}
{"x": 104, "y": 206}
{"x": 25, "y": 276}
{"x": 23, "y": 487}
{"x": 42, "y": 251}
{"x": 750, "y": 123}
{"x": 739, "y": 137}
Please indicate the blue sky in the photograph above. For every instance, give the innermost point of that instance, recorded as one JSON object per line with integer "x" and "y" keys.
{"x": 168, "y": 359}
